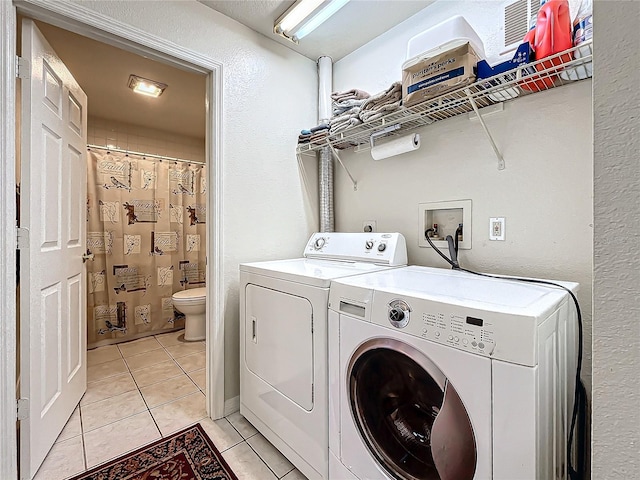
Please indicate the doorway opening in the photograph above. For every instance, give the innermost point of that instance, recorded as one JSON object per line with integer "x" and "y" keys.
{"x": 204, "y": 148}
{"x": 146, "y": 173}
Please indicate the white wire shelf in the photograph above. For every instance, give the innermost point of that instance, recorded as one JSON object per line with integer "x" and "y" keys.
{"x": 554, "y": 71}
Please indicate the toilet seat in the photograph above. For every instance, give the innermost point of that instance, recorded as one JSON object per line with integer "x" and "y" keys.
{"x": 193, "y": 295}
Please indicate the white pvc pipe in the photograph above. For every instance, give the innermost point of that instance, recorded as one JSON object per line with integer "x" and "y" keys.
{"x": 325, "y": 81}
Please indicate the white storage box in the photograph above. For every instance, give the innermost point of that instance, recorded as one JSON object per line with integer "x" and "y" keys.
{"x": 455, "y": 28}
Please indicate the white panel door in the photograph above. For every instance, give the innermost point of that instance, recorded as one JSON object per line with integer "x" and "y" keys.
{"x": 53, "y": 280}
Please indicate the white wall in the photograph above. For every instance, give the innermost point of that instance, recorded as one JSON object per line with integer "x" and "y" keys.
{"x": 616, "y": 325}
{"x": 267, "y": 213}
{"x": 545, "y": 192}
{"x": 135, "y": 138}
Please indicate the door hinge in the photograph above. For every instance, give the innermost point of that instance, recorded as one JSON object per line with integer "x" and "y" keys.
{"x": 312, "y": 392}
{"x": 23, "y": 69}
{"x": 23, "y": 408}
{"x": 22, "y": 238}
{"x": 312, "y": 323}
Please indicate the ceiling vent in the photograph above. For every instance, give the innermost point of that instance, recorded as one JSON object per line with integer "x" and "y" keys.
{"x": 516, "y": 19}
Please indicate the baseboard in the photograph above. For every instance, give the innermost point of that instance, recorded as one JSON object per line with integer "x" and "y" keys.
{"x": 231, "y": 405}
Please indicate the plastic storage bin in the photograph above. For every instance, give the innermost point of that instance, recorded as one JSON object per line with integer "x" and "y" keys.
{"x": 455, "y": 28}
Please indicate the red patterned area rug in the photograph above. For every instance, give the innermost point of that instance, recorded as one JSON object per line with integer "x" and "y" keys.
{"x": 187, "y": 455}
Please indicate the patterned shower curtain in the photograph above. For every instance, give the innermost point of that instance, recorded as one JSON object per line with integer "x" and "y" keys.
{"x": 146, "y": 228}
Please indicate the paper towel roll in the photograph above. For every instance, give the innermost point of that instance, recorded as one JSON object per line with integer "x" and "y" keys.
{"x": 398, "y": 146}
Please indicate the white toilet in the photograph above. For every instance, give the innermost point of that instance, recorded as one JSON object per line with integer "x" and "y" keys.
{"x": 193, "y": 303}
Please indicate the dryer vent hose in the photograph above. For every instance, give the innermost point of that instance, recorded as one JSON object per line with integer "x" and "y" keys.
{"x": 325, "y": 180}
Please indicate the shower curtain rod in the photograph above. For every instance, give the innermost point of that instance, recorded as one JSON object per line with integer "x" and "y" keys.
{"x": 146, "y": 155}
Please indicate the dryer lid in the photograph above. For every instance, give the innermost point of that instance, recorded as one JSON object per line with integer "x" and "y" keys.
{"x": 308, "y": 271}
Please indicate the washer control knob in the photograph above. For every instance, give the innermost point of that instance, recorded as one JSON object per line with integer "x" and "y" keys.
{"x": 382, "y": 247}
{"x": 369, "y": 244}
{"x": 396, "y": 315}
{"x": 481, "y": 345}
{"x": 399, "y": 313}
{"x": 465, "y": 341}
{"x": 319, "y": 243}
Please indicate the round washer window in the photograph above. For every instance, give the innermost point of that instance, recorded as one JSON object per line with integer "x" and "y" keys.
{"x": 410, "y": 417}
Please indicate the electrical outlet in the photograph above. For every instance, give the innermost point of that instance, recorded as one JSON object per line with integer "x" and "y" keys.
{"x": 369, "y": 226}
{"x": 496, "y": 228}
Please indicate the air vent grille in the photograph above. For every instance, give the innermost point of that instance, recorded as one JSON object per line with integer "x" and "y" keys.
{"x": 535, "y": 7}
{"x": 516, "y": 21}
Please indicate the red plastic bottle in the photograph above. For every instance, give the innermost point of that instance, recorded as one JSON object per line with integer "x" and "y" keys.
{"x": 552, "y": 35}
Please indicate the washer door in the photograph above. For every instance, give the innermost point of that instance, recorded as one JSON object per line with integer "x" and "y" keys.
{"x": 409, "y": 415}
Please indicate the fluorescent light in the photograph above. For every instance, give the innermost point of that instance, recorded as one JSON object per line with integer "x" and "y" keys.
{"x": 305, "y": 16}
{"x": 147, "y": 87}
{"x": 297, "y": 14}
{"x": 320, "y": 17}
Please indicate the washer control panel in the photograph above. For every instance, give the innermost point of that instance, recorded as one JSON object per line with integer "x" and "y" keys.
{"x": 439, "y": 322}
{"x": 459, "y": 330}
{"x": 380, "y": 248}
{"x": 501, "y": 319}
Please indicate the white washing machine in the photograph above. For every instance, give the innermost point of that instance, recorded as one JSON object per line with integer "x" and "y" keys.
{"x": 283, "y": 339}
{"x": 442, "y": 374}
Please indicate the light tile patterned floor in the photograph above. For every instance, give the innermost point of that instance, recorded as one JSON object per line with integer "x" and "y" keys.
{"x": 146, "y": 389}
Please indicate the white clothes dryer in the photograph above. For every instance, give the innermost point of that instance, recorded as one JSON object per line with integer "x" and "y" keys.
{"x": 283, "y": 339}
{"x": 442, "y": 374}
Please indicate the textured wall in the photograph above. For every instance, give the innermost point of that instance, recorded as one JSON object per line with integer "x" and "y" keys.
{"x": 545, "y": 192}
{"x": 269, "y": 93}
{"x": 616, "y": 310}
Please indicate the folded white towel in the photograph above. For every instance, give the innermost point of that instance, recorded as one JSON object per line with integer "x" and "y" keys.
{"x": 369, "y": 115}
{"x": 349, "y": 94}
{"x": 344, "y": 124}
{"x": 352, "y": 112}
{"x": 392, "y": 94}
{"x": 339, "y": 108}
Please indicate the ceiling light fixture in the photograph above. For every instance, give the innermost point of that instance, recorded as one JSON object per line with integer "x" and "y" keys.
{"x": 304, "y": 17}
{"x": 147, "y": 87}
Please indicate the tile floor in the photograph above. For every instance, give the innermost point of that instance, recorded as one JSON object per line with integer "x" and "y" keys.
{"x": 146, "y": 389}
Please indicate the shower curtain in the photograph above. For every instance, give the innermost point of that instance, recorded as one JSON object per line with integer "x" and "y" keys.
{"x": 146, "y": 228}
